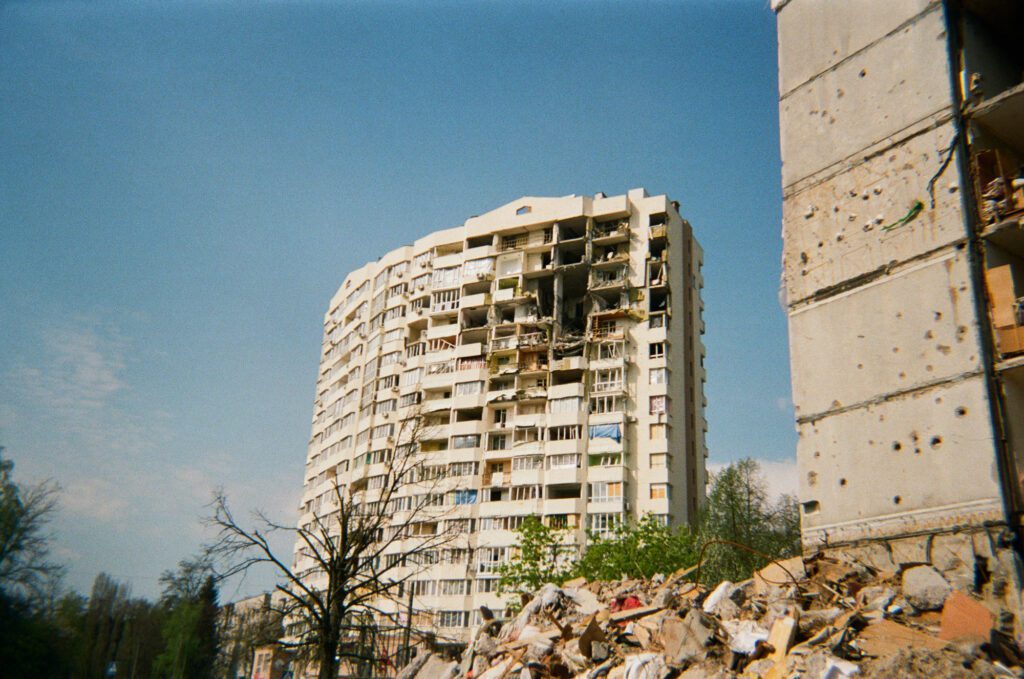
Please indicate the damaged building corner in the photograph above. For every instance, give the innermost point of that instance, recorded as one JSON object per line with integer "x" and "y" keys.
{"x": 903, "y": 229}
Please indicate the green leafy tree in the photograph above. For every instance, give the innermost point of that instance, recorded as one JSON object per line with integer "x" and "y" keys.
{"x": 638, "y": 551}
{"x": 190, "y": 629}
{"x": 738, "y": 511}
{"x": 542, "y": 557}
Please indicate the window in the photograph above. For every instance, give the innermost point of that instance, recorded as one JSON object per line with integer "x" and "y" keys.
{"x": 464, "y": 497}
{"x": 410, "y": 377}
{"x": 462, "y": 469}
{"x": 454, "y": 587}
{"x": 501, "y": 416}
{"x": 606, "y": 460}
{"x": 524, "y": 210}
{"x": 497, "y": 442}
{"x": 566, "y": 433}
{"x": 398, "y": 269}
{"x": 397, "y": 290}
{"x": 607, "y": 380}
{"x": 424, "y": 587}
{"x": 659, "y": 491}
{"x": 466, "y": 441}
{"x": 657, "y": 321}
{"x": 471, "y": 363}
{"x": 605, "y": 404}
{"x": 445, "y": 300}
{"x": 379, "y": 280}
{"x": 410, "y": 399}
{"x": 390, "y": 358}
{"x": 387, "y": 382}
{"x": 607, "y": 431}
{"x": 526, "y": 435}
{"x": 606, "y": 328}
{"x": 446, "y": 278}
{"x": 525, "y": 492}
{"x": 570, "y": 461}
{"x": 607, "y": 350}
{"x": 659, "y": 375}
{"x": 659, "y": 404}
{"x": 656, "y": 349}
{"x": 562, "y": 406}
{"x": 604, "y": 524}
{"x": 477, "y": 267}
{"x": 488, "y": 559}
{"x": 468, "y": 388}
{"x": 382, "y": 430}
{"x": 384, "y": 406}
{"x": 486, "y": 585}
{"x": 658, "y": 430}
{"x": 423, "y": 259}
{"x": 453, "y": 618}
{"x": 606, "y": 491}
{"x": 527, "y": 462}
{"x": 658, "y": 460}
{"x": 394, "y": 312}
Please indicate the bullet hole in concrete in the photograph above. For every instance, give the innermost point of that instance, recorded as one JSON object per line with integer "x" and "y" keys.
{"x": 899, "y": 314}
{"x": 897, "y": 499}
{"x": 835, "y": 208}
{"x": 961, "y": 411}
{"x": 804, "y": 258}
{"x": 860, "y": 366}
{"x": 936, "y": 441}
{"x": 929, "y": 368}
{"x": 840, "y": 93}
{"x": 863, "y": 72}
{"x": 914, "y": 437}
{"x": 938, "y": 315}
{"x": 820, "y": 243}
{"x": 895, "y": 350}
{"x": 903, "y": 375}
{"x": 959, "y": 246}
{"x": 810, "y": 507}
{"x": 812, "y": 478}
{"x": 839, "y": 238}
{"x": 929, "y": 334}
{"x": 842, "y": 482}
{"x": 943, "y": 349}
{"x": 817, "y": 454}
{"x": 897, "y": 446}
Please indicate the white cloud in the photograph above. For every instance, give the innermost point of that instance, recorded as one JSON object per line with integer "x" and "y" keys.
{"x": 94, "y": 498}
{"x": 780, "y": 475}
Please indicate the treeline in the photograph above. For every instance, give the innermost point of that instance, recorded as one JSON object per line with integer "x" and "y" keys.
{"x": 46, "y": 631}
{"x": 739, "y": 530}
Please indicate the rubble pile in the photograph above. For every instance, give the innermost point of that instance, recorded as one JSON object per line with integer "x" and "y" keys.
{"x": 824, "y": 617}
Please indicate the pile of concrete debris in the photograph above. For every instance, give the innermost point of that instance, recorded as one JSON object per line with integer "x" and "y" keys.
{"x": 826, "y": 617}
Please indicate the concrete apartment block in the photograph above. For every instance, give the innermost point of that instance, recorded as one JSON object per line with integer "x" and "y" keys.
{"x": 552, "y": 348}
{"x": 902, "y": 134}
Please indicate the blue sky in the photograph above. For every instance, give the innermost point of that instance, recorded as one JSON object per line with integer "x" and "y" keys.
{"x": 185, "y": 185}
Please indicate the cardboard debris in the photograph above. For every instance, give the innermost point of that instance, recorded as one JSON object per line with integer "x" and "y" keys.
{"x": 810, "y": 617}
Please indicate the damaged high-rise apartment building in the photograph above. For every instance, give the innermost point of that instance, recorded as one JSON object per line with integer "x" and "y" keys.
{"x": 552, "y": 350}
{"x": 902, "y": 134}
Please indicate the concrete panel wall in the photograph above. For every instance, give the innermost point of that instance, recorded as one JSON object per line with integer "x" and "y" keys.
{"x": 865, "y": 99}
{"x": 916, "y": 462}
{"x": 908, "y": 330}
{"x": 834, "y": 230}
{"x": 815, "y": 35}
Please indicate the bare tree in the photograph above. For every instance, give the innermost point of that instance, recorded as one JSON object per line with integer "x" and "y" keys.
{"x": 354, "y": 555}
{"x": 25, "y": 511}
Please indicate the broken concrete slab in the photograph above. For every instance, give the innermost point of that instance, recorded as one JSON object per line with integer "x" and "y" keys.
{"x": 925, "y": 588}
